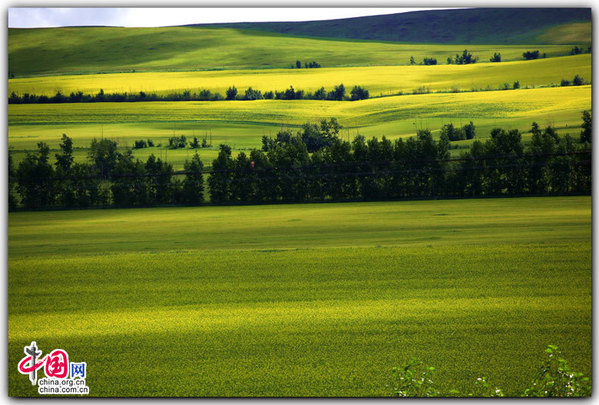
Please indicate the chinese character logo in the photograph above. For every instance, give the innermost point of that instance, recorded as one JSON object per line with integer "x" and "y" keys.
{"x": 56, "y": 364}
{"x": 78, "y": 370}
{"x": 57, "y": 368}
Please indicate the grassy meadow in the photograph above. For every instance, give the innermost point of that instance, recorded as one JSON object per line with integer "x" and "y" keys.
{"x": 302, "y": 300}
{"x": 93, "y": 50}
{"x": 241, "y": 124}
{"x": 297, "y": 299}
{"x": 175, "y": 59}
{"x": 458, "y": 26}
{"x": 379, "y": 80}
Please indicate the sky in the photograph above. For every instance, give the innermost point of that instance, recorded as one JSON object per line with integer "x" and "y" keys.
{"x": 147, "y": 13}
{"x": 153, "y": 17}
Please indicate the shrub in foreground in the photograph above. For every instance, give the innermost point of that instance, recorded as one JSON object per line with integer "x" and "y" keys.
{"x": 553, "y": 378}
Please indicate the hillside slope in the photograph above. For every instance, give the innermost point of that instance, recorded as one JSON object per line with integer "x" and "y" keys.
{"x": 378, "y": 80}
{"x": 85, "y": 50}
{"x": 458, "y": 26}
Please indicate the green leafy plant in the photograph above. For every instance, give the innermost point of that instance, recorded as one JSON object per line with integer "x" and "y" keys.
{"x": 482, "y": 389}
{"x": 554, "y": 378}
{"x": 413, "y": 380}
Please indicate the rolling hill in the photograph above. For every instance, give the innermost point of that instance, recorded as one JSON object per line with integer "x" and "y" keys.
{"x": 379, "y": 80}
{"x": 458, "y": 26}
{"x": 360, "y": 41}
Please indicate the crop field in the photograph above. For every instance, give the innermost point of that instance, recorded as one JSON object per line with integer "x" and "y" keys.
{"x": 95, "y": 50}
{"x": 295, "y": 299}
{"x": 379, "y": 80}
{"x": 302, "y": 300}
{"x": 241, "y": 124}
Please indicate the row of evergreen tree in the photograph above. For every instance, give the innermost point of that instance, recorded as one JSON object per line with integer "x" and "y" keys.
{"x": 338, "y": 93}
{"x": 418, "y": 167}
{"x": 286, "y": 170}
{"x": 108, "y": 178}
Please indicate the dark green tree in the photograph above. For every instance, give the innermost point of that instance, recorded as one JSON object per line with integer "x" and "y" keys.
{"x": 359, "y": 93}
{"x": 577, "y": 81}
{"x": 586, "y": 135}
{"x": 193, "y": 185}
{"x": 12, "y": 177}
{"x": 220, "y": 178}
{"x": 337, "y": 94}
{"x": 261, "y": 176}
{"x": 231, "y": 93}
{"x": 103, "y": 155}
{"x": 290, "y": 94}
{"x": 65, "y": 159}
{"x": 452, "y": 133}
{"x": 505, "y": 163}
{"x": 140, "y": 144}
{"x": 465, "y": 58}
{"x": 64, "y": 162}
{"x": 289, "y": 160}
{"x": 159, "y": 180}
{"x": 241, "y": 185}
{"x": 128, "y": 182}
{"x": 35, "y": 179}
{"x": 338, "y": 181}
{"x": 528, "y": 55}
{"x": 320, "y": 94}
{"x": 312, "y": 137}
{"x": 85, "y": 185}
{"x": 195, "y": 143}
{"x": 542, "y": 147}
{"x": 251, "y": 94}
{"x": 576, "y": 50}
{"x": 469, "y": 130}
{"x": 471, "y": 172}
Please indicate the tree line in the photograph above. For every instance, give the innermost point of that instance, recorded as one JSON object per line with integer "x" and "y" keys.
{"x": 467, "y": 58}
{"x": 338, "y": 93}
{"x": 530, "y": 55}
{"x": 313, "y": 164}
{"x": 419, "y": 167}
{"x": 107, "y": 178}
{"x": 307, "y": 65}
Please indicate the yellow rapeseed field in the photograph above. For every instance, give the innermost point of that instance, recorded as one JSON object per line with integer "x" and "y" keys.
{"x": 494, "y": 104}
{"x": 379, "y": 80}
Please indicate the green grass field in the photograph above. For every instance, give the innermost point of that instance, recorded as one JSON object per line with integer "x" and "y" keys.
{"x": 302, "y": 300}
{"x": 379, "y": 80}
{"x": 457, "y": 26}
{"x": 241, "y": 124}
{"x": 103, "y": 49}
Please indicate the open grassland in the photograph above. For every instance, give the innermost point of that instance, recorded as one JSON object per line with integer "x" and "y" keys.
{"x": 496, "y": 104}
{"x": 111, "y": 49}
{"x": 567, "y": 33}
{"x": 305, "y": 300}
{"x": 457, "y": 26}
{"x": 379, "y": 80}
{"x": 241, "y": 124}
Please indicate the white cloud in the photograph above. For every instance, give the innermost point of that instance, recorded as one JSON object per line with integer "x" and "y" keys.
{"x": 52, "y": 17}
{"x": 156, "y": 17}
{"x": 152, "y": 17}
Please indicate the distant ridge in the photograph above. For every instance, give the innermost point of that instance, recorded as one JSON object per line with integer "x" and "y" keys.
{"x": 458, "y": 26}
